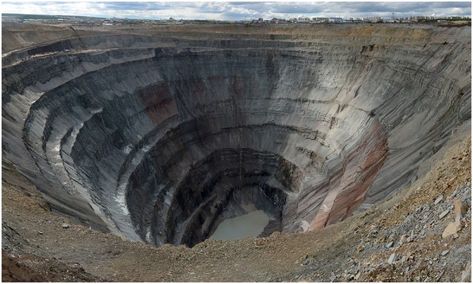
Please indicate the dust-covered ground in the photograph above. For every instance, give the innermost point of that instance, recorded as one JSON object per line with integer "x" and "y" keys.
{"x": 398, "y": 240}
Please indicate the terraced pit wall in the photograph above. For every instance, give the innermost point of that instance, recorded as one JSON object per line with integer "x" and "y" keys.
{"x": 160, "y": 133}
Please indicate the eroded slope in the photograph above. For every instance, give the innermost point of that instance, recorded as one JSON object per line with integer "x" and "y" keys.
{"x": 358, "y": 248}
{"x": 154, "y": 133}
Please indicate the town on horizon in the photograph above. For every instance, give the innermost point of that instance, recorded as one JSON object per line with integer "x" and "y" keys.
{"x": 106, "y": 21}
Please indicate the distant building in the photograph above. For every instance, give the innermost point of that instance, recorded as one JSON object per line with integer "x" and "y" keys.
{"x": 303, "y": 20}
{"x": 335, "y": 20}
{"x": 373, "y": 19}
{"x": 319, "y": 20}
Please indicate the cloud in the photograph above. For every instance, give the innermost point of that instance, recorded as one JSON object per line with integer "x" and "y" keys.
{"x": 235, "y": 10}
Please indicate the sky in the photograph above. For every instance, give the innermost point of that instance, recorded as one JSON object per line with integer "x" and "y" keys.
{"x": 235, "y": 11}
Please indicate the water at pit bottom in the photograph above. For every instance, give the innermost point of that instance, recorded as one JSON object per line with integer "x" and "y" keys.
{"x": 244, "y": 226}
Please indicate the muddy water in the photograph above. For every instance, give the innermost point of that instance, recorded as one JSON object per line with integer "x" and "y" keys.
{"x": 240, "y": 227}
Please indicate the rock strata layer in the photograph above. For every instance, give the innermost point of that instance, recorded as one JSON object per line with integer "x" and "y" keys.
{"x": 159, "y": 137}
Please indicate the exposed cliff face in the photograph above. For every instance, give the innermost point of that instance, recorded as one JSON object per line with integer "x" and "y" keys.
{"x": 154, "y": 136}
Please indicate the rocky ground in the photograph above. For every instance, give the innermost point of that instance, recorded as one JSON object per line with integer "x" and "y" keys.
{"x": 421, "y": 234}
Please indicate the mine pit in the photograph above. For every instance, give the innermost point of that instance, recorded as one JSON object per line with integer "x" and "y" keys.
{"x": 177, "y": 138}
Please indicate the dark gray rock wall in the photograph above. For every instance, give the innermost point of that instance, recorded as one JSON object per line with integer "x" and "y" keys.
{"x": 153, "y": 137}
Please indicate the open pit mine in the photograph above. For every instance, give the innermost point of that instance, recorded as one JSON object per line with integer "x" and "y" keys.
{"x": 162, "y": 134}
